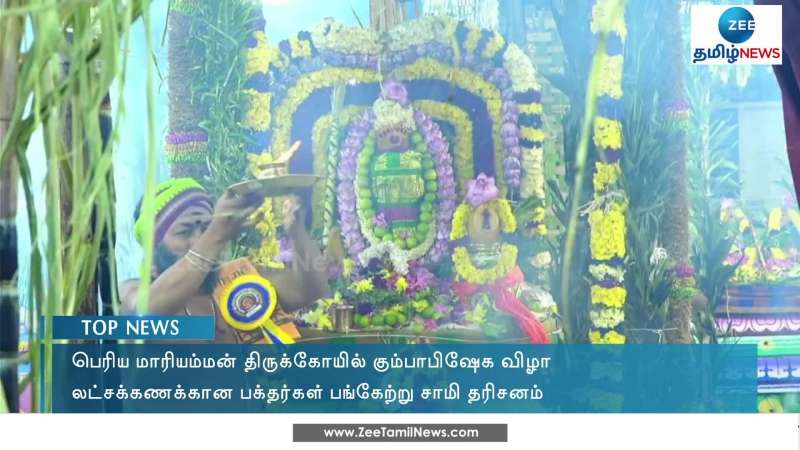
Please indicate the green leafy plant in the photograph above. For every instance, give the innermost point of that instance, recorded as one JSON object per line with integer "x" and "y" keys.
{"x": 64, "y": 102}
{"x": 712, "y": 177}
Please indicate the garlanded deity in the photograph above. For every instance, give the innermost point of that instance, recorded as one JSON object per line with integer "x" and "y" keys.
{"x": 486, "y": 264}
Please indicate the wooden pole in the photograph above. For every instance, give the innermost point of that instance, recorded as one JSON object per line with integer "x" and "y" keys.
{"x": 385, "y": 14}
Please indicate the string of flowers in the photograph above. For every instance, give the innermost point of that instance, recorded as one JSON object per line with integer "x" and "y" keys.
{"x": 462, "y": 145}
{"x": 607, "y": 211}
{"x": 428, "y": 48}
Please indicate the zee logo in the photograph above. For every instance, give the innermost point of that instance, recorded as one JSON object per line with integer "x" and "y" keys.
{"x": 736, "y": 25}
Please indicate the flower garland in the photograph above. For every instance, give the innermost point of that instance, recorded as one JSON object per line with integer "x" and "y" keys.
{"x": 466, "y": 270}
{"x": 257, "y": 116}
{"x": 434, "y": 42}
{"x": 357, "y": 216}
{"x": 607, "y": 214}
{"x": 325, "y": 145}
{"x": 423, "y": 30}
{"x": 446, "y": 194}
{"x": 501, "y": 207}
{"x": 426, "y": 67}
{"x": 299, "y": 92}
{"x": 376, "y": 232}
{"x": 332, "y": 35}
{"x": 462, "y": 148}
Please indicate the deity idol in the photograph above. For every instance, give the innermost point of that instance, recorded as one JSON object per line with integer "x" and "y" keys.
{"x": 487, "y": 265}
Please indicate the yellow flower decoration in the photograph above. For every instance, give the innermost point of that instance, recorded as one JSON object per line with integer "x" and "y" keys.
{"x": 605, "y": 175}
{"x": 530, "y": 108}
{"x": 267, "y": 252}
{"x": 520, "y": 68}
{"x": 401, "y": 285}
{"x": 471, "y": 82}
{"x": 473, "y": 37}
{"x": 744, "y": 224}
{"x": 607, "y": 235}
{"x": 612, "y": 297}
{"x": 609, "y": 16}
{"x": 506, "y": 215}
{"x": 297, "y": 94}
{"x": 301, "y": 48}
{"x": 774, "y": 221}
{"x": 347, "y": 267}
{"x": 612, "y": 337}
{"x": 610, "y": 77}
{"x": 467, "y": 271}
{"x": 460, "y": 219}
{"x": 607, "y": 133}
{"x": 532, "y": 134}
{"x": 607, "y": 317}
{"x": 493, "y": 46}
{"x": 258, "y": 115}
{"x": 362, "y": 286}
{"x": 532, "y": 183}
{"x": 259, "y": 58}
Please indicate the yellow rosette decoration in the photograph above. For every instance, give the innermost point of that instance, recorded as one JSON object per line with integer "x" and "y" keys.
{"x": 247, "y": 302}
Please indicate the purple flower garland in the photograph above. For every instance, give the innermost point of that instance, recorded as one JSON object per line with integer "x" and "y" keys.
{"x": 497, "y": 76}
{"x": 446, "y": 195}
{"x": 346, "y": 193}
{"x": 443, "y": 164}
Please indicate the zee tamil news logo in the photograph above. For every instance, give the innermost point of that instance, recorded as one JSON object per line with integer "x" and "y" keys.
{"x": 736, "y": 34}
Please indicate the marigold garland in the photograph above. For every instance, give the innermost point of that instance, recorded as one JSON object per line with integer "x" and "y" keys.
{"x": 473, "y": 38}
{"x": 470, "y": 81}
{"x": 258, "y": 116}
{"x": 532, "y": 174}
{"x": 466, "y": 270}
{"x": 607, "y": 226}
{"x": 501, "y": 207}
{"x": 607, "y": 317}
{"x": 259, "y": 58}
{"x": 521, "y": 70}
{"x": 604, "y": 19}
{"x": 611, "y": 297}
{"x": 495, "y": 44}
{"x": 530, "y": 108}
{"x": 607, "y": 238}
{"x": 612, "y": 337}
{"x": 531, "y": 134}
{"x": 607, "y": 133}
{"x": 299, "y": 92}
{"x": 605, "y": 175}
{"x": 610, "y": 79}
{"x": 268, "y": 251}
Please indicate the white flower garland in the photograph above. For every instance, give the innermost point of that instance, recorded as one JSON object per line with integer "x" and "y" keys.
{"x": 422, "y": 31}
{"x": 342, "y": 38}
{"x": 532, "y": 174}
{"x": 520, "y": 69}
{"x": 607, "y": 317}
{"x": 397, "y": 256}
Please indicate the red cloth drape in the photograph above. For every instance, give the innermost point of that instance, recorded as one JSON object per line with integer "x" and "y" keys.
{"x": 503, "y": 292}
